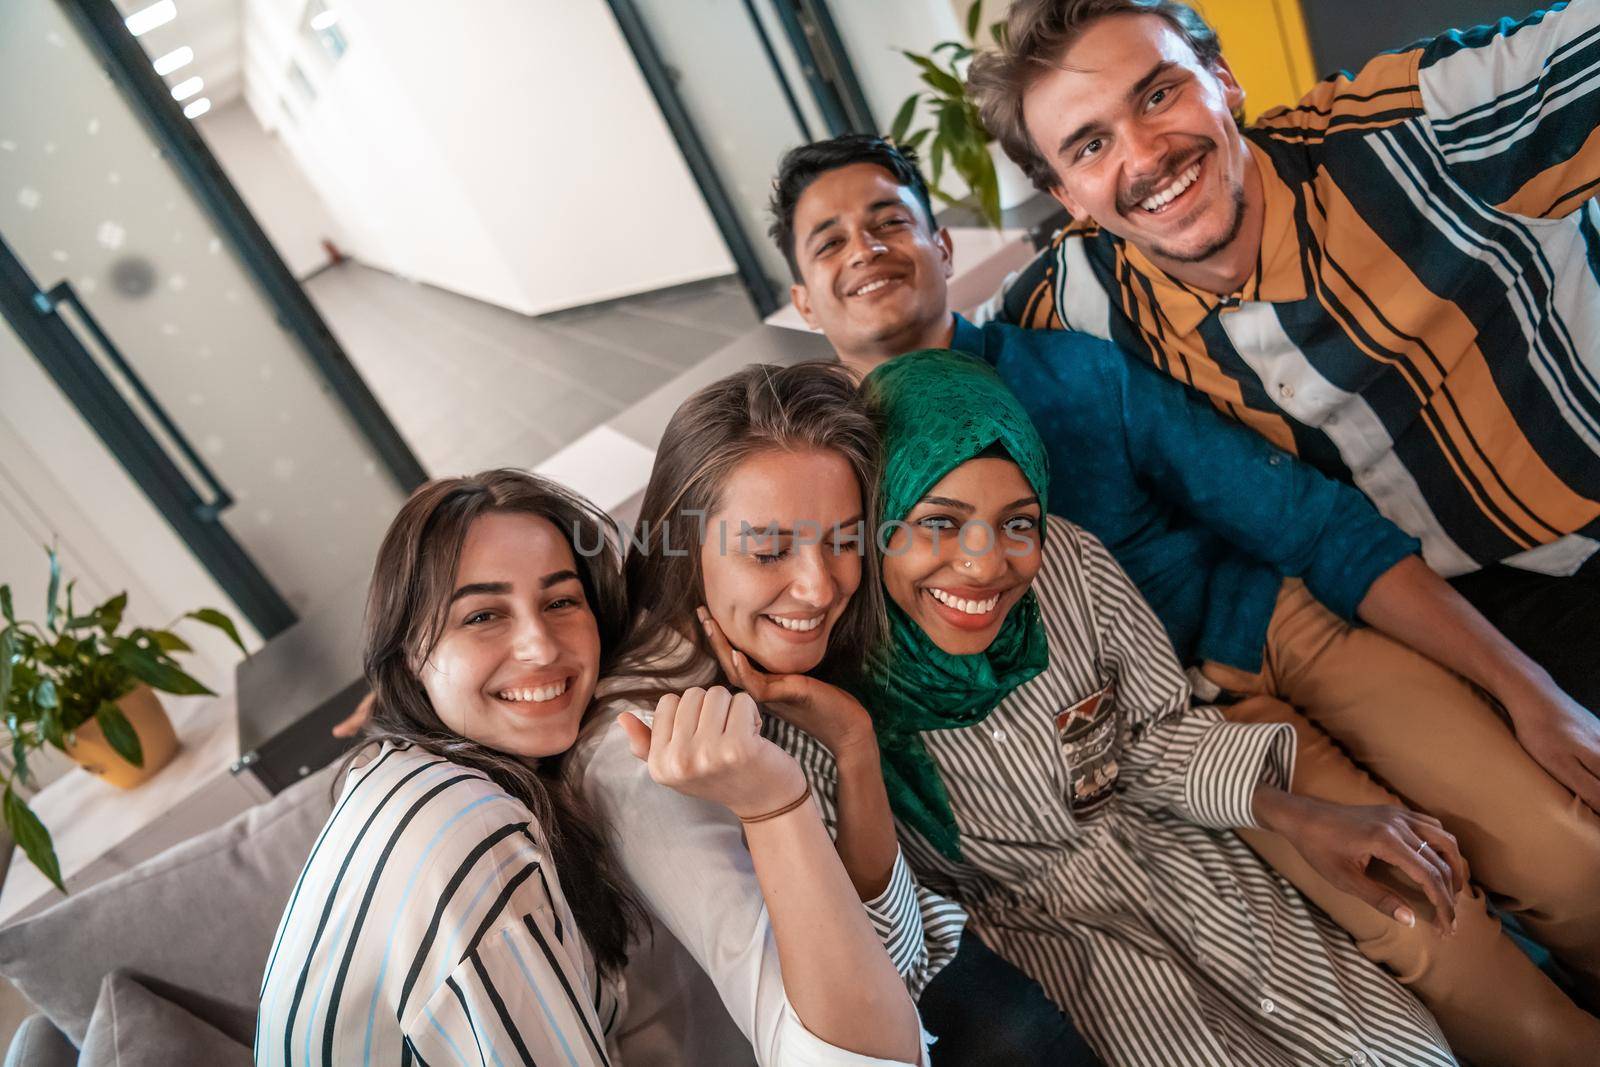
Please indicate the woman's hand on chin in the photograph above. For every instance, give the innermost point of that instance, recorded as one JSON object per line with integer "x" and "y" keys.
{"x": 707, "y": 743}
{"x": 824, "y": 711}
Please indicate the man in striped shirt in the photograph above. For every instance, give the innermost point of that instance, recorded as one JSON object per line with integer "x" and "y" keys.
{"x": 1396, "y": 280}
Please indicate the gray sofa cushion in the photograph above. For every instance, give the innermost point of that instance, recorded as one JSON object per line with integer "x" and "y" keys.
{"x": 200, "y": 916}
{"x": 135, "y": 1026}
{"x": 37, "y": 1043}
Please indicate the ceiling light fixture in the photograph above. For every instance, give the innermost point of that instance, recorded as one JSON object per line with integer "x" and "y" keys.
{"x": 198, "y": 108}
{"x": 174, "y": 60}
{"x": 147, "y": 19}
{"x": 187, "y": 88}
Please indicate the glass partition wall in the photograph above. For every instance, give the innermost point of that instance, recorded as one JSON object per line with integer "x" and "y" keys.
{"x": 136, "y": 278}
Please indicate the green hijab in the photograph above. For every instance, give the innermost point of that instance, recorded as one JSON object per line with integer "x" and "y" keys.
{"x": 935, "y": 410}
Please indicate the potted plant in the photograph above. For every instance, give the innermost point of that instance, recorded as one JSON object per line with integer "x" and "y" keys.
{"x": 83, "y": 684}
{"x": 956, "y": 136}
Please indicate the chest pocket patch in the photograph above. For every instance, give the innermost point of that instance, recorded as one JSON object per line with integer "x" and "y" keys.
{"x": 1087, "y": 733}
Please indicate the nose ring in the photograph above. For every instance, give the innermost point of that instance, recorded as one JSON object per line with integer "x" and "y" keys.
{"x": 966, "y": 563}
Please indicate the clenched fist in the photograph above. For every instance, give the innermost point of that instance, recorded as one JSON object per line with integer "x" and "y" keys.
{"x": 707, "y": 743}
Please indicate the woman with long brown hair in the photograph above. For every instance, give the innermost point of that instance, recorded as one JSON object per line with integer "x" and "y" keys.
{"x": 754, "y": 530}
{"x": 462, "y": 902}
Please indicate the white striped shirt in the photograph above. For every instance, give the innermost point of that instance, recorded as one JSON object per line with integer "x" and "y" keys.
{"x": 428, "y": 927}
{"x": 1098, "y": 856}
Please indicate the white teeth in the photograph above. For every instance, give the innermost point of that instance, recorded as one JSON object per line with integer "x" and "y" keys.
{"x": 971, "y": 607}
{"x": 1183, "y": 182}
{"x": 534, "y": 696}
{"x": 798, "y": 625}
{"x": 872, "y": 287}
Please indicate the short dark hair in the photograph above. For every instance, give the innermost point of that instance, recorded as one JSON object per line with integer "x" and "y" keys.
{"x": 804, "y": 165}
{"x": 1037, "y": 32}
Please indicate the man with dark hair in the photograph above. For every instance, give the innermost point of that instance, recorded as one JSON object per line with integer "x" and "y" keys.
{"x": 1238, "y": 546}
{"x": 1396, "y": 279}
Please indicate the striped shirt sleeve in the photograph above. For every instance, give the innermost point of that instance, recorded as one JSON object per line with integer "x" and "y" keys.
{"x": 1515, "y": 108}
{"x": 519, "y": 996}
{"x": 1172, "y": 757}
{"x": 919, "y": 928}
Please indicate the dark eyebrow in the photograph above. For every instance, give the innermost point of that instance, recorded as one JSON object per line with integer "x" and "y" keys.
{"x": 1021, "y": 503}
{"x": 557, "y": 577}
{"x": 481, "y": 589}
{"x": 947, "y": 502}
{"x": 832, "y": 220}
{"x": 503, "y": 588}
{"x": 772, "y": 529}
{"x": 1095, "y": 125}
{"x": 1149, "y": 79}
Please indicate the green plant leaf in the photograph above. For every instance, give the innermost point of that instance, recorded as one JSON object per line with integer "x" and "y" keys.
{"x": 50, "y": 728}
{"x": 987, "y": 187}
{"x": 54, "y": 592}
{"x": 903, "y": 117}
{"x": 156, "y": 674}
{"x": 167, "y": 641}
{"x": 915, "y": 143}
{"x": 8, "y": 652}
{"x": 109, "y": 614}
{"x": 213, "y": 617}
{"x": 33, "y": 837}
{"x": 936, "y": 163}
{"x": 119, "y": 733}
{"x": 44, "y": 695}
{"x": 997, "y": 31}
{"x": 19, "y": 757}
{"x": 974, "y": 16}
{"x": 5, "y": 604}
{"x": 947, "y": 84}
{"x": 940, "y": 79}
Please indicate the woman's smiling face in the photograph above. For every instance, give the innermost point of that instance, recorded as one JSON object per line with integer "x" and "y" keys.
{"x": 782, "y": 556}
{"x": 967, "y": 553}
{"x": 519, "y": 653}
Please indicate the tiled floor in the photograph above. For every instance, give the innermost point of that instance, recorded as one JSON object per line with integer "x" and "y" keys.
{"x": 472, "y": 386}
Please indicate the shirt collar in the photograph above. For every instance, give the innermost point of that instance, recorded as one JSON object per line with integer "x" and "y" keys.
{"x": 968, "y": 338}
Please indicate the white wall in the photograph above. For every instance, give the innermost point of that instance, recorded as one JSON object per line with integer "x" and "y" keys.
{"x": 499, "y": 148}
{"x": 273, "y": 186}
{"x": 875, "y": 33}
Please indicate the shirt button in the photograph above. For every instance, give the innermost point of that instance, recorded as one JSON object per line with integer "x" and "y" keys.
{"x": 1286, "y": 391}
{"x": 1276, "y": 459}
{"x": 1358, "y": 1058}
{"x": 999, "y": 734}
{"x": 1267, "y": 1006}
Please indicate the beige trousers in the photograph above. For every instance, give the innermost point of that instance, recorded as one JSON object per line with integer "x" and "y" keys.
{"x": 1432, "y": 738}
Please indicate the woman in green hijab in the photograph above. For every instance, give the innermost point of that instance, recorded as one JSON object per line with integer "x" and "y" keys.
{"x": 1046, "y": 769}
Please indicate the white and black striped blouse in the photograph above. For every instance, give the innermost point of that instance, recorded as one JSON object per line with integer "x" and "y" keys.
{"x": 428, "y": 927}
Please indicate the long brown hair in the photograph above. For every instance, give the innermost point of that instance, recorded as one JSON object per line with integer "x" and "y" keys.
{"x": 411, "y": 587}
{"x": 809, "y": 406}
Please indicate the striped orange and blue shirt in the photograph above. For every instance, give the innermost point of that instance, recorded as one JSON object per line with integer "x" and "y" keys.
{"x": 1424, "y": 316}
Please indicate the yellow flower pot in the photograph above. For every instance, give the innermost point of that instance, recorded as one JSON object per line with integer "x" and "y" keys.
{"x": 90, "y": 749}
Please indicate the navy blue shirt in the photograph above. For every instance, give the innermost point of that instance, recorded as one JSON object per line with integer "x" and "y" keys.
{"x": 1206, "y": 516}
